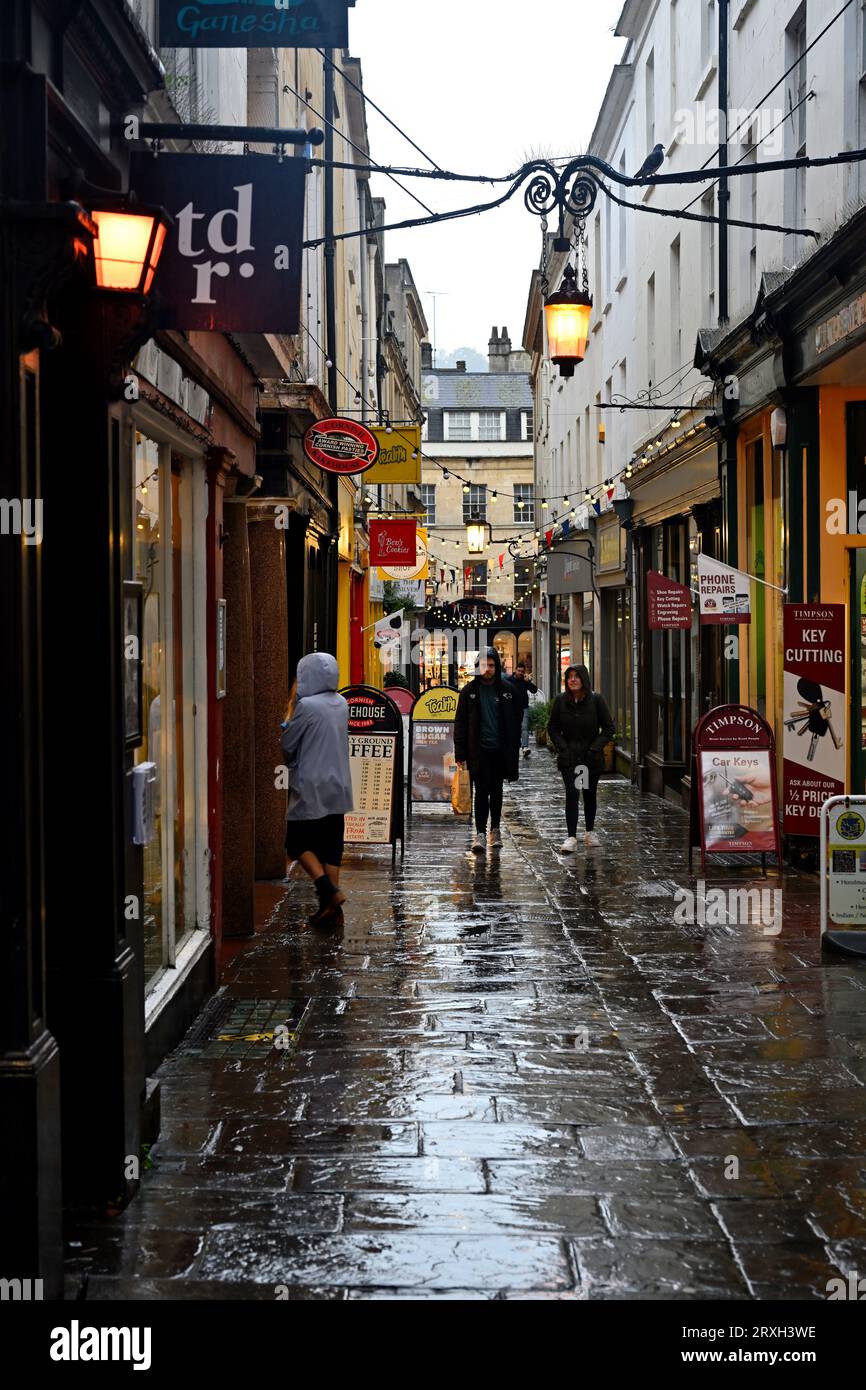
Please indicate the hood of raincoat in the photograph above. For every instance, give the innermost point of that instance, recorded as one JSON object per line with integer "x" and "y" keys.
{"x": 490, "y": 653}
{"x": 585, "y": 678}
{"x": 316, "y": 674}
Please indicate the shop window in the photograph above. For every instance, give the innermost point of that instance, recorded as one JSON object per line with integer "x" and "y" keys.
{"x": 587, "y": 642}
{"x": 563, "y": 656}
{"x": 436, "y": 658}
{"x": 506, "y": 645}
{"x": 616, "y": 660}
{"x": 163, "y": 561}
{"x": 667, "y": 728}
{"x": 524, "y": 651}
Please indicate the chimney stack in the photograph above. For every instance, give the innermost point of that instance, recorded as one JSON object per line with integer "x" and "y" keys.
{"x": 460, "y": 366}
{"x": 427, "y": 355}
{"x": 499, "y": 351}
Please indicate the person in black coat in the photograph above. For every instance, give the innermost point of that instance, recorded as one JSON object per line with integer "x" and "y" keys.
{"x": 579, "y": 727}
{"x": 524, "y": 688}
{"x": 487, "y": 740}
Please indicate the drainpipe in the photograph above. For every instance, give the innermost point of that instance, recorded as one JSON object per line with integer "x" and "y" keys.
{"x": 724, "y": 193}
{"x": 635, "y": 615}
{"x": 331, "y": 338}
{"x": 365, "y": 308}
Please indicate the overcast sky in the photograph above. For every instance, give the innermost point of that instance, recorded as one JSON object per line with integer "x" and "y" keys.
{"x": 481, "y": 86}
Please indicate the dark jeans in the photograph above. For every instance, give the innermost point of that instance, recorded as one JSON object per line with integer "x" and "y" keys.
{"x": 572, "y": 801}
{"x": 488, "y": 781}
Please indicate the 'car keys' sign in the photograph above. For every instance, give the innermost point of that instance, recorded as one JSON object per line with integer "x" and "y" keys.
{"x": 232, "y": 260}
{"x": 814, "y": 705}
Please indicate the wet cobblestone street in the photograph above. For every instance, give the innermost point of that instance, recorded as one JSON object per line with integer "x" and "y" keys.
{"x": 445, "y": 1127}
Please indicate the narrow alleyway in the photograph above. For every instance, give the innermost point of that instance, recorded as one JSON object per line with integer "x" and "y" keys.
{"x": 444, "y": 1127}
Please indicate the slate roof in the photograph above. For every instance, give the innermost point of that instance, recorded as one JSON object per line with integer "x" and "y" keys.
{"x": 475, "y": 391}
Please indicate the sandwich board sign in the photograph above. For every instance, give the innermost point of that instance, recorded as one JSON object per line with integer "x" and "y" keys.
{"x": 843, "y": 874}
{"x": 733, "y": 785}
{"x": 431, "y": 746}
{"x": 376, "y": 763}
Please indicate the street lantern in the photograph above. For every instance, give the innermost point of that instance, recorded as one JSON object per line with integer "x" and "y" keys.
{"x": 567, "y": 314}
{"x": 476, "y": 536}
{"x": 128, "y": 246}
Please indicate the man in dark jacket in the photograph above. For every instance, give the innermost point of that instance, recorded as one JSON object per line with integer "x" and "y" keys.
{"x": 487, "y": 740}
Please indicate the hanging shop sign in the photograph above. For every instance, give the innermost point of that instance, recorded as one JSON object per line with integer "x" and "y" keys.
{"x": 669, "y": 604}
{"x": 393, "y": 543}
{"x": 399, "y": 458}
{"x": 340, "y": 446}
{"x": 421, "y": 567}
{"x": 232, "y": 260}
{"x": 568, "y": 572}
{"x": 814, "y": 693}
{"x": 724, "y": 592}
{"x": 410, "y": 591}
{"x": 254, "y": 23}
{"x": 431, "y": 746}
{"x": 388, "y": 631}
{"x": 376, "y": 762}
{"x": 733, "y": 784}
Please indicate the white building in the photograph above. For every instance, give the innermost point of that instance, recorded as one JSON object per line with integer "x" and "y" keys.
{"x": 657, "y": 283}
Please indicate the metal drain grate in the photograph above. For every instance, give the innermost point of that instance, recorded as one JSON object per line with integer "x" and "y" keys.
{"x": 232, "y": 1027}
{"x": 213, "y": 1014}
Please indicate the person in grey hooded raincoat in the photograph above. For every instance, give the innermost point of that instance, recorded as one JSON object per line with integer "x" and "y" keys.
{"x": 315, "y": 745}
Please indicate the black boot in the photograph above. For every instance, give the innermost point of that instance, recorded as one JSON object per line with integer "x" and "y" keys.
{"x": 330, "y": 898}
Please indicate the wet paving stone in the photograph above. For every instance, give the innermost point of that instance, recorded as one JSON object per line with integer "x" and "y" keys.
{"x": 510, "y": 1077}
{"x": 576, "y": 1217}
{"x": 430, "y": 1174}
{"x": 697, "y": 1267}
{"x": 267, "y": 1256}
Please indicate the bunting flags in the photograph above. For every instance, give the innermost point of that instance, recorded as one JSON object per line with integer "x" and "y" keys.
{"x": 566, "y": 527}
{"x": 501, "y": 560}
{"x": 548, "y": 536}
{"x": 596, "y": 507}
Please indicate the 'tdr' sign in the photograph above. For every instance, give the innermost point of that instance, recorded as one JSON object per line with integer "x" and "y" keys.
{"x": 232, "y": 260}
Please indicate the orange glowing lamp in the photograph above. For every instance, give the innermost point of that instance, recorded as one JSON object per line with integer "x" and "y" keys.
{"x": 567, "y": 315}
{"x": 128, "y": 246}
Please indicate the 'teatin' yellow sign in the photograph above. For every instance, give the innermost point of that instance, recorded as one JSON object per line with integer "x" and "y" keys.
{"x": 395, "y": 463}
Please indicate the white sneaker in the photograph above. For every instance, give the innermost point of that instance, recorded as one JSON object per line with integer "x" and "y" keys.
{"x": 591, "y": 839}
{"x": 526, "y": 752}
{"x": 478, "y": 845}
{"x": 494, "y": 838}
{"x": 568, "y": 846}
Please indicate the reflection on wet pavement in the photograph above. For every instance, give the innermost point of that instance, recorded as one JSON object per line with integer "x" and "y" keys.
{"x": 513, "y": 1075}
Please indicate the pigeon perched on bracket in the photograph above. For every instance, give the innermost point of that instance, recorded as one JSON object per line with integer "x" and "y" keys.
{"x": 653, "y": 162}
